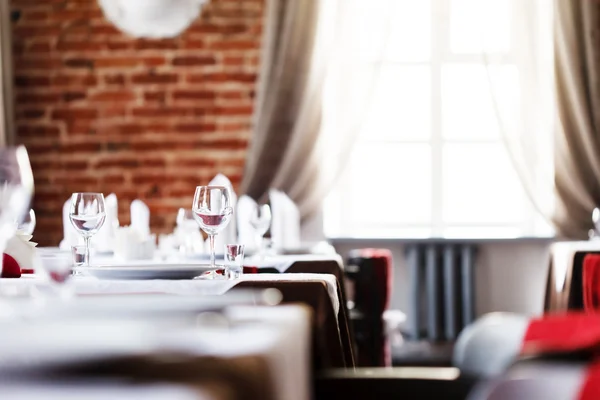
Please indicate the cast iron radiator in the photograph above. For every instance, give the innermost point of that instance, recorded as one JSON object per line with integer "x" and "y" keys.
{"x": 442, "y": 288}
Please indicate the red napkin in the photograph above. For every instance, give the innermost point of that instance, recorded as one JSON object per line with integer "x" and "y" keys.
{"x": 250, "y": 270}
{"x": 591, "y": 282}
{"x": 10, "y": 268}
{"x": 562, "y": 333}
{"x": 591, "y": 385}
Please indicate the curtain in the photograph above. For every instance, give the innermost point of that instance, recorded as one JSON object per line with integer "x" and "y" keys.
{"x": 6, "y": 79}
{"x": 577, "y": 142}
{"x": 523, "y": 101}
{"x": 299, "y": 143}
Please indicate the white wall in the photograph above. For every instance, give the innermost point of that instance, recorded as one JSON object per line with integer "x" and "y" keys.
{"x": 510, "y": 275}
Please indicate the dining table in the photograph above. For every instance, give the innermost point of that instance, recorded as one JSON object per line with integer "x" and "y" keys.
{"x": 157, "y": 346}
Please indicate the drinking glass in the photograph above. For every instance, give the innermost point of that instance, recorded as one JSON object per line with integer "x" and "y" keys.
{"x": 58, "y": 267}
{"x": 16, "y": 190}
{"x": 87, "y": 215}
{"x": 212, "y": 211}
{"x": 234, "y": 260}
{"x": 27, "y": 224}
{"x": 260, "y": 220}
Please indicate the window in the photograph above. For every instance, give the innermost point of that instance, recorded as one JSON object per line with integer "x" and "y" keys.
{"x": 452, "y": 77}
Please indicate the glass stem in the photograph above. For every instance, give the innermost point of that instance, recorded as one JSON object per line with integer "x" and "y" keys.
{"x": 87, "y": 251}
{"x": 211, "y": 239}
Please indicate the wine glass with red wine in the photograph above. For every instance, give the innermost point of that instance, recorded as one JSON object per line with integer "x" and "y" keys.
{"x": 212, "y": 211}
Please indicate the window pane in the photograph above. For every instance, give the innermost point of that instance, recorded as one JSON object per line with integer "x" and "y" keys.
{"x": 390, "y": 184}
{"x": 401, "y": 27}
{"x": 480, "y": 186}
{"x": 401, "y": 105}
{"x": 370, "y": 31}
{"x": 480, "y": 25}
{"x": 408, "y": 28}
{"x": 477, "y": 101}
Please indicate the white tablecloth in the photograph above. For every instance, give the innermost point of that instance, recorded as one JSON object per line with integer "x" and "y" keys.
{"x": 280, "y": 335}
{"x": 90, "y": 285}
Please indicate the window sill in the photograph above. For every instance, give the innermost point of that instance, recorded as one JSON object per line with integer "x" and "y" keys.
{"x": 384, "y": 241}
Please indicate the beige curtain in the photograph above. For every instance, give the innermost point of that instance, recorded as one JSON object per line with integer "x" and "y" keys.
{"x": 577, "y": 144}
{"x": 6, "y": 77}
{"x": 288, "y": 106}
{"x": 311, "y": 101}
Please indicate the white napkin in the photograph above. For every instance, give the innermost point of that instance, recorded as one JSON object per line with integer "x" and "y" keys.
{"x": 140, "y": 217}
{"x": 246, "y": 206}
{"x": 22, "y": 250}
{"x": 285, "y": 223}
{"x": 229, "y": 234}
{"x": 104, "y": 240}
{"x": 132, "y": 244}
{"x": 70, "y": 236}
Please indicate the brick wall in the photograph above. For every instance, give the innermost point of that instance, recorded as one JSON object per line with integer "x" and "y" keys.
{"x": 149, "y": 119}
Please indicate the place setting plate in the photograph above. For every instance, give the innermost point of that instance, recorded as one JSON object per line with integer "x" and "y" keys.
{"x": 129, "y": 272}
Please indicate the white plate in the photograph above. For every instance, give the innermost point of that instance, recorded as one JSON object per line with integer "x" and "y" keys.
{"x": 172, "y": 271}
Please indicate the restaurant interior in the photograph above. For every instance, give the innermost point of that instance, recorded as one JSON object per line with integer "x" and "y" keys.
{"x": 299, "y": 199}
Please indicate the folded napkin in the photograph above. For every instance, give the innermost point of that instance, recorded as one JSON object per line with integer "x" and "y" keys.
{"x": 590, "y": 389}
{"x": 20, "y": 254}
{"x": 246, "y": 207}
{"x": 140, "y": 217}
{"x": 591, "y": 282}
{"x": 104, "y": 239}
{"x": 562, "y": 333}
{"x": 285, "y": 222}
{"x": 70, "y": 236}
{"x": 131, "y": 244}
{"x": 229, "y": 234}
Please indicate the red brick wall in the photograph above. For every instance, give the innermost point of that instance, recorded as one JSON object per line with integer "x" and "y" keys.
{"x": 149, "y": 119}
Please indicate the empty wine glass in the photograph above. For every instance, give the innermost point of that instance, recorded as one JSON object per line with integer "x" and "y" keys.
{"x": 27, "y": 224}
{"x": 87, "y": 215}
{"x": 212, "y": 211}
{"x": 260, "y": 220}
{"x": 16, "y": 190}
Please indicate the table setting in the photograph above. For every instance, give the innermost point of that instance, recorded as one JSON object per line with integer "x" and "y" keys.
{"x": 204, "y": 294}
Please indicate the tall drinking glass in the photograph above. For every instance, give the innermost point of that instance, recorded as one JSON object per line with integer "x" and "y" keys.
{"x": 87, "y": 215}
{"x": 212, "y": 211}
{"x": 260, "y": 221}
{"x": 16, "y": 191}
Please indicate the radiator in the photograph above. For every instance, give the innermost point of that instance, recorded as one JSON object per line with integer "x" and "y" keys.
{"x": 442, "y": 298}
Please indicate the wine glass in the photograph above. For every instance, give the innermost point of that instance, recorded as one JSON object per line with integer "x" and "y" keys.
{"x": 260, "y": 220}
{"x": 27, "y": 224}
{"x": 16, "y": 191}
{"x": 87, "y": 215}
{"x": 212, "y": 211}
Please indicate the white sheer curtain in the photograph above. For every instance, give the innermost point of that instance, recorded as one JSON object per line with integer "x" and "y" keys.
{"x": 521, "y": 88}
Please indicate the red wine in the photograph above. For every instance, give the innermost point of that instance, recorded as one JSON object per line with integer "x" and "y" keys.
{"x": 212, "y": 223}
{"x": 59, "y": 276}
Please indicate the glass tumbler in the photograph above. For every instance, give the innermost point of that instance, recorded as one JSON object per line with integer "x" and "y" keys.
{"x": 234, "y": 261}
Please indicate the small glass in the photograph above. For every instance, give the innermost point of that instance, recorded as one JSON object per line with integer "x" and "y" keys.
{"x": 234, "y": 261}
{"x": 58, "y": 268}
{"x": 79, "y": 255}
